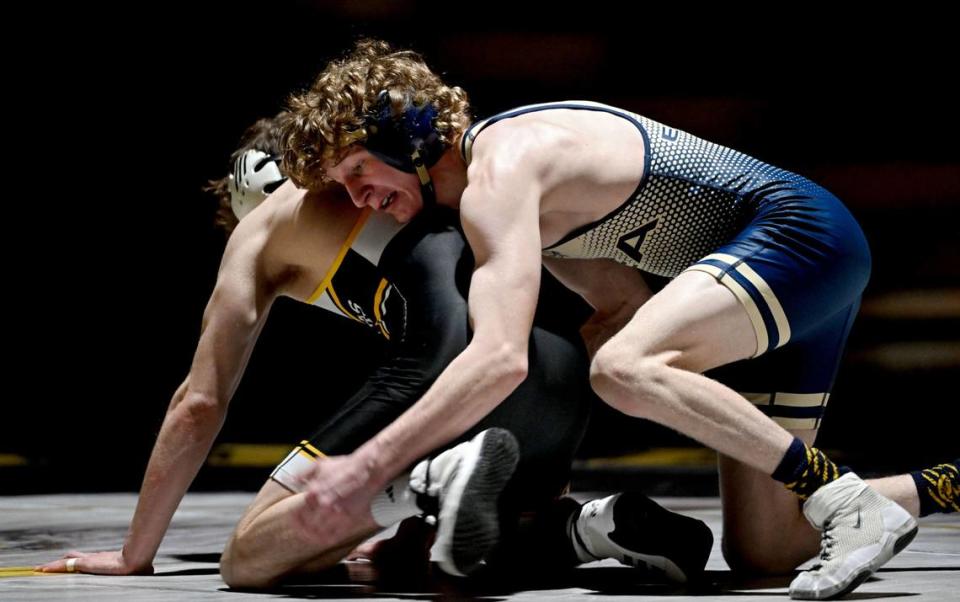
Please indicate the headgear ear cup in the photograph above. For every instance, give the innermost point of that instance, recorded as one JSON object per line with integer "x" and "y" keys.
{"x": 407, "y": 140}
{"x": 255, "y": 175}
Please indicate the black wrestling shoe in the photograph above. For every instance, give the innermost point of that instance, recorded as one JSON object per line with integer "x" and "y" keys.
{"x": 638, "y": 532}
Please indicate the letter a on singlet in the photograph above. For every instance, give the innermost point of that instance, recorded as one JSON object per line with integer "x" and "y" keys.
{"x": 630, "y": 242}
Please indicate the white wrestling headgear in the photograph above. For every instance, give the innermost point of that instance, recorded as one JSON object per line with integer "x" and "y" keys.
{"x": 255, "y": 175}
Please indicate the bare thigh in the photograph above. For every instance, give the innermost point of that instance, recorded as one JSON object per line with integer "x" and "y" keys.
{"x": 695, "y": 316}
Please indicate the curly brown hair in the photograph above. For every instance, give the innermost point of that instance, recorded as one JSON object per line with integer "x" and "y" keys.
{"x": 265, "y": 136}
{"x": 328, "y": 119}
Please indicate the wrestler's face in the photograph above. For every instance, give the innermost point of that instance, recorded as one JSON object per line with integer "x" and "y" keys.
{"x": 372, "y": 183}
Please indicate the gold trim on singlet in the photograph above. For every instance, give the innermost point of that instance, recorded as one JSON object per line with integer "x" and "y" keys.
{"x": 357, "y": 227}
{"x": 377, "y": 299}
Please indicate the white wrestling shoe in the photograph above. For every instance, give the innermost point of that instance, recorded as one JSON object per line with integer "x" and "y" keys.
{"x": 860, "y": 531}
{"x": 468, "y": 480}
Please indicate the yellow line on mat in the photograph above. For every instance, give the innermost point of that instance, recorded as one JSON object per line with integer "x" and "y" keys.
{"x": 248, "y": 455}
{"x": 664, "y": 456}
{"x": 12, "y": 460}
{"x": 21, "y": 571}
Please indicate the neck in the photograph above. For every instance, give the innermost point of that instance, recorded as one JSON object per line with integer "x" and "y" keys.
{"x": 449, "y": 177}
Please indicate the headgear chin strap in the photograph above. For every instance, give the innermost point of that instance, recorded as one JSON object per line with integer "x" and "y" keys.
{"x": 407, "y": 141}
{"x": 255, "y": 175}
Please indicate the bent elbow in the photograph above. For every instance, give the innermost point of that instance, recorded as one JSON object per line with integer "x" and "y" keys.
{"x": 198, "y": 409}
{"x": 512, "y": 364}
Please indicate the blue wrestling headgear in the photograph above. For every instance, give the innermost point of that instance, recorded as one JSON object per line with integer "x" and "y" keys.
{"x": 407, "y": 141}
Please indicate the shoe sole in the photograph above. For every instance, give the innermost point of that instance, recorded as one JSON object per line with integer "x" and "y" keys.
{"x": 469, "y": 524}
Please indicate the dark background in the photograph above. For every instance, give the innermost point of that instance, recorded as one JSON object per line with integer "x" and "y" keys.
{"x": 118, "y": 118}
